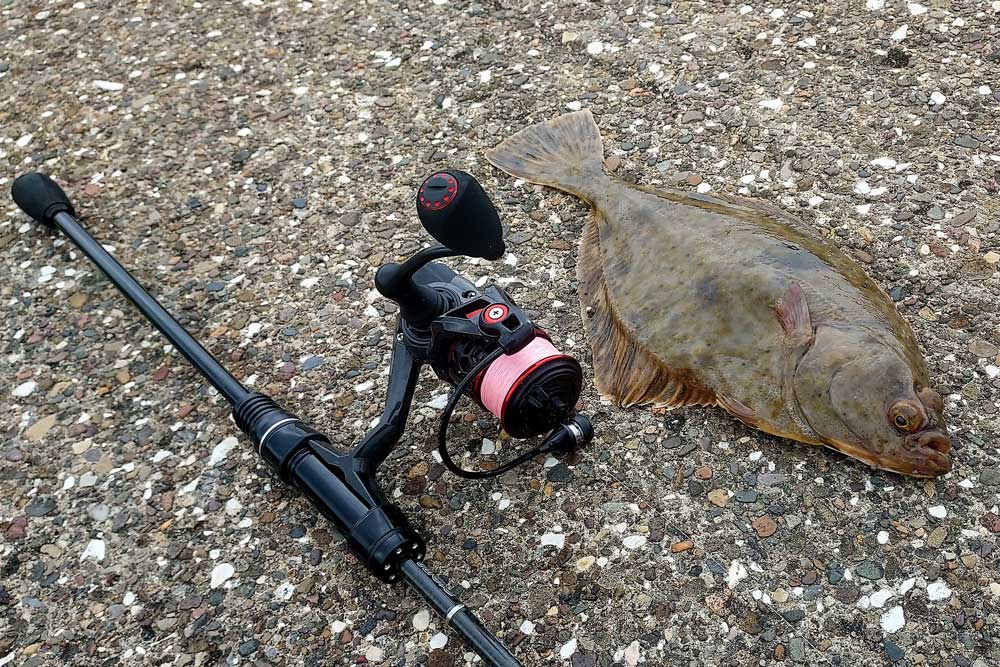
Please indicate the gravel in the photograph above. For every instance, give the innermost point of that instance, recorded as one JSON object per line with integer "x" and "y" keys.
{"x": 254, "y": 163}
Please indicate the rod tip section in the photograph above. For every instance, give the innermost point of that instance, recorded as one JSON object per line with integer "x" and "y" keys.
{"x": 40, "y": 197}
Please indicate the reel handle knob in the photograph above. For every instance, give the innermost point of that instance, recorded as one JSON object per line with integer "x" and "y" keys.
{"x": 457, "y": 212}
{"x": 40, "y": 197}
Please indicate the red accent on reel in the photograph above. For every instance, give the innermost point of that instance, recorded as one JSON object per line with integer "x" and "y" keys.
{"x": 438, "y": 191}
{"x": 495, "y": 313}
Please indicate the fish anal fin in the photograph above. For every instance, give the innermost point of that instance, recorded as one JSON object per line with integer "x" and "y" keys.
{"x": 793, "y": 314}
{"x": 739, "y": 410}
{"x": 624, "y": 371}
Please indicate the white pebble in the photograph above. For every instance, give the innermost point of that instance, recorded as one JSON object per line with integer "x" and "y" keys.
{"x": 879, "y": 598}
{"x": 884, "y": 162}
{"x": 916, "y": 9}
{"x": 893, "y": 620}
{"x": 991, "y": 371}
{"x": 882, "y": 537}
{"x": 737, "y": 573}
{"x": 568, "y": 649}
{"x": 221, "y": 451}
{"x": 284, "y": 591}
{"x": 110, "y": 86}
{"x": 221, "y": 573}
{"x": 938, "y": 511}
{"x": 25, "y": 388}
{"x": 374, "y": 654}
{"x": 527, "y": 627}
{"x": 900, "y": 33}
{"x": 24, "y": 140}
{"x": 875, "y": 5}
{"x": 439, "y": 640}
{"x": 773, "y": 105}
{"x": 937, "y": 98}
{"x": 595, "y": 48}
{"x": 421, "y": 620}
{"x": 575, "y": 105}
{"x": 309, "y": 282}
{"x": 634, "y": 541}
{"x": 557, "y": 540}
{"x": 938, "y": 590}
{"x": 94, "y": 551}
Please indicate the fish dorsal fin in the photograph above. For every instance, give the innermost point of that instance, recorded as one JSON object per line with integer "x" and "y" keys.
{"x": 793, "y": 314}
{"x": 624, "y": 371}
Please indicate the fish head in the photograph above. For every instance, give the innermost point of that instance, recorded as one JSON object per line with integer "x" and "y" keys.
{"x": 865, "y": 397}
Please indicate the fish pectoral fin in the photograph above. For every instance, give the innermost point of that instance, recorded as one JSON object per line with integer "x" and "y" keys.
{"x": 793, "y": 314}
{"x": 739, "y": 410}
{"x": 624, "y": 371}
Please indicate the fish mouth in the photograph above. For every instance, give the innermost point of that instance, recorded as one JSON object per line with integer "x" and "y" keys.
{"x": 926, "y": 454}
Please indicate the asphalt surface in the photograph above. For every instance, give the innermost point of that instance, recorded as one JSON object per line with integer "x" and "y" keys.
{"x": 255, "y": 162}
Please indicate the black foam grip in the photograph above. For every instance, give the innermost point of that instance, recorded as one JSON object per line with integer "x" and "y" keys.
{"x": 40, "y": 197}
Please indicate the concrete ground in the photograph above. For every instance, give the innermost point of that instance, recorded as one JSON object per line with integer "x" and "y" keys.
{"x": 254, "y": 162}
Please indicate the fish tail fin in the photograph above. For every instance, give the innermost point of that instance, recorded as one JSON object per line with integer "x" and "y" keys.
{"x": 564, "y": 153}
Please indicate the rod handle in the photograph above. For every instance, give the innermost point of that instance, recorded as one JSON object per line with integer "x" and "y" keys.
{"x": 40, "y": 197}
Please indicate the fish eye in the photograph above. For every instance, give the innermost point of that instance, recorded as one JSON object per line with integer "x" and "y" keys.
{"x": 906, "y": 416}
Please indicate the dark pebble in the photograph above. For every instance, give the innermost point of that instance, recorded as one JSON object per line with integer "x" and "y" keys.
{"x": 747, "y": 496}
{"x": 560, "y": 473}
{"x": 297, "y": 531}
{"x": 469, "y": 544}
{"x": 311, "y": 363}
{"x": 40, "y": 507}
{"x": 793, "y": 615}
{"x": 248, "y": 647}
{"x": 893, "y": 651}
{"x": 216, "y": 286}
{"x": 870, "y": 570}
{"x": 299, "y": 202}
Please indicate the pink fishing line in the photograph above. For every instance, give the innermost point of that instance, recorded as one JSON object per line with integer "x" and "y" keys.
{"x": 503, "y": 374}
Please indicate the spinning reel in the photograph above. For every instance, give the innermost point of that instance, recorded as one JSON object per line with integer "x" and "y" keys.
{"x": 480, "y": 342}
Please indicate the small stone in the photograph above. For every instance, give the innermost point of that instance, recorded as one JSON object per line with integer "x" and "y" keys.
{"x": 299, "y": 202}
{"x": 40, "y": 507}
{"x": 991, "y": 257}
{"x": 967, "y": 141}
{"x": 797, "y": 649}
{"x": 560, "y": 473}
{"x": 983, "y": 349}
{"x": 990, "y": 476}
{"x": 765, "y": 526}
{"x": 248, "y": 647}
{"x": 421, "y": 620}
{"x": 935, "y": 213}
{"x": 718, "y": 497}
{"x": 692, "y": 116}
{"x": 679, "y": 547}
{"x": 37, "y": 431}
{"x": 749, "y": 496}
{"x": 892, "y": 651}
{"x": 870, "y": 570}
{"x": 612, "y": 162}
{"x": 793, "y": 615}
{"x": 25, "y": 388}
{"x": 937, "y": 537}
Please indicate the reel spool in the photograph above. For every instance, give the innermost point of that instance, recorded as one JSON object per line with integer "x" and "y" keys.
{"x": 530, "y": 391}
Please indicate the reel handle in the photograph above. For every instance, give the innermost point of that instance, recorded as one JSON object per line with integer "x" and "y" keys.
{"x": 457, "y": 212}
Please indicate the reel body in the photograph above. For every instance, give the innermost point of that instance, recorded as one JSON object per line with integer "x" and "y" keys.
{"x": 480, "y": 341}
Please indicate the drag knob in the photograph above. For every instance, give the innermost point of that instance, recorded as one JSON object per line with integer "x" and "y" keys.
{"x": 455, "y": 210}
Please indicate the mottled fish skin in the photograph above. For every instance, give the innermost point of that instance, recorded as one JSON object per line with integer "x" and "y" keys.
{"x": 727, "y": 301}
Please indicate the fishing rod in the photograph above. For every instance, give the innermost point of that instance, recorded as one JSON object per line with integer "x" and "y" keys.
{"x": 478, "y": 341}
